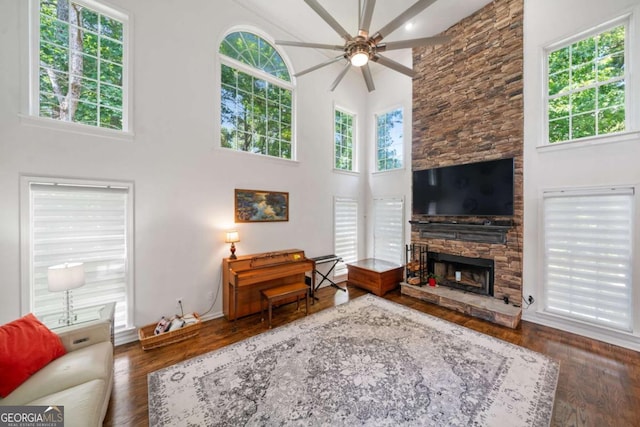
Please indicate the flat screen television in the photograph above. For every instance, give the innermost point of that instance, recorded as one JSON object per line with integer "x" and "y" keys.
{"x": 473, "y": 189}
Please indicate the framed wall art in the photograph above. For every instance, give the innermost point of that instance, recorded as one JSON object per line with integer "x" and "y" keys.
{"x": 261, "y": 206}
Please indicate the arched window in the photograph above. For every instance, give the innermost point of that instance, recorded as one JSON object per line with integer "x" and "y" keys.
{"x": 256, "y": 97}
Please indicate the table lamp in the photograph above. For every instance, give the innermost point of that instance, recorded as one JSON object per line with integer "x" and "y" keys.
{"x": 64, "y": 277}
{"x": 232, "y": 237}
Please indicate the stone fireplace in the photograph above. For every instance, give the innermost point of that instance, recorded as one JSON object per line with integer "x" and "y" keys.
{"x": 464, "y": 273}
{"x": 468, "y": 107}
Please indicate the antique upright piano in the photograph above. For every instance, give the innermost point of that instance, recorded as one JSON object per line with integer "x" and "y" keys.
{"x": 244, "y": 277}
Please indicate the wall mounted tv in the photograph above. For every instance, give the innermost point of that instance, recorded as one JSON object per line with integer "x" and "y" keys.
{"x": 473, "y": 189}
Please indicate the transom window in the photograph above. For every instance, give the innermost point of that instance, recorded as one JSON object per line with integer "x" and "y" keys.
{"x": 81, "y": 64}
{"x": 389, "y": 140}
{"x": 256, "y": 97}
{"x": 343, "y": 140}
{"x": 587, "y": 86}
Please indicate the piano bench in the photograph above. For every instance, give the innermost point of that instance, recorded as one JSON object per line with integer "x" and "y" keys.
{"x": 279, "y": 293}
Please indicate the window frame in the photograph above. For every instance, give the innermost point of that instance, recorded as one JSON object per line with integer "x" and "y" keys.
{"x": 626, "y": 20}
{"x": 32, "y": 117}
{"x": 401, "y": 149}
{"x": 26, "y": 279}
{"x": 354, "y": 135}
{"x": 261, "y": 74}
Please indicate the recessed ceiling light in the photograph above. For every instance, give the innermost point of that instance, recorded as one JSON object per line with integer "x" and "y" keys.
{"x": 408, "y": 26}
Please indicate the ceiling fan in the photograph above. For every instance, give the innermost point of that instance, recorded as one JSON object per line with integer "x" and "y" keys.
{"x": 361, "y": 49}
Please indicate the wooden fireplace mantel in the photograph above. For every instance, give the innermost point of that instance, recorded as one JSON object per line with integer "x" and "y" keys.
{"x": 470, "y": 232}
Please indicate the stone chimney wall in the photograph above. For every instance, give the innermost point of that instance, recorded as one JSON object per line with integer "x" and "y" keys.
{"x": 468, "y": 107}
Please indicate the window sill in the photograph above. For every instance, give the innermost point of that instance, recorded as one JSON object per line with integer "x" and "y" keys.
{"x": 263, "y": 157}
{"x": 398, "y": 170}
{"x": 346, "y": 172}
{"x": 77, "y": 128}
{"x": 589, "y": 142}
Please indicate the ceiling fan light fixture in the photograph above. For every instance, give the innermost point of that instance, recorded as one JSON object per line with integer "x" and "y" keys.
{"x": 359, "y": 59}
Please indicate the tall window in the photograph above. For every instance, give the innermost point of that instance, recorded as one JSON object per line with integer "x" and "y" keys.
{"x": 343, "y": 132}
{"x": 80, "y": 63}
{"x": 66, "y": 222}
{"x": 587, "y": 88}
{"x": 389, "y": 140}
{"x": 588, "y": 256}
{"x": 345, "y": 217}
{"x": 388, "y": 229}
{"x": 256, "y": 97}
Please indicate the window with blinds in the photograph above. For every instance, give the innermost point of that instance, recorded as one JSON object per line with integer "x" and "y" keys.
{"x": 388, "y": 229}
{"x": 78, "y": 223}
{"x": 588, "y": 255}
{"x": 345, "y": 217}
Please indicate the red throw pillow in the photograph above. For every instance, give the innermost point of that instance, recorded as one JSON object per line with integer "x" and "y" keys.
{"x": 26, "y": 346}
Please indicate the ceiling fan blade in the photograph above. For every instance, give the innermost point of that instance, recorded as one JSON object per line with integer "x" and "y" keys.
{"x": 401, "y": 19}
{"x": 323, "y": 64}
{"x": 313, "y": 4}
{"x": 365, "y": 17}
{"x": 368, "y": 79}
{"x": 313, "y": 45}
{"x": 403, "y": 44}
{"x": 394, "y": 65}
{"x": 338, "y": 79}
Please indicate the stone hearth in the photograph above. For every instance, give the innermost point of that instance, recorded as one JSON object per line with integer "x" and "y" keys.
{"x": 483, "y": 307}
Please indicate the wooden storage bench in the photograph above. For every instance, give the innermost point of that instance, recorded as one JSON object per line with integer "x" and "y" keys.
{"x": 280, "y": 293}
{"x": 374, "y": 275}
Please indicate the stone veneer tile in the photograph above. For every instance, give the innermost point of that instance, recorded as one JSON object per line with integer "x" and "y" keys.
{"x": 468, "y": 107}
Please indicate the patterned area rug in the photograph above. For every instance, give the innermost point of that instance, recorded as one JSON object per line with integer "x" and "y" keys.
{"x": 368, "y": 362}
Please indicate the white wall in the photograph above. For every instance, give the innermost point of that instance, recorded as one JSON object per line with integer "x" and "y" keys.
{"x": 581, "y": 165}
{"x": 183, "y": 182}
{"x": 393, "y": 90}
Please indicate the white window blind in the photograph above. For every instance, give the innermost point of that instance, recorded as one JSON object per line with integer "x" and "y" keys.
{"x": 72, "y": 223}
{"x": 345, "y": 232}
{"x": 588, "y": 255}
{"x": 388, "y": 229}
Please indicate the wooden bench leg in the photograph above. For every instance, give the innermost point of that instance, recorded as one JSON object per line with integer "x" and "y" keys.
{"x": 270, "y": 310}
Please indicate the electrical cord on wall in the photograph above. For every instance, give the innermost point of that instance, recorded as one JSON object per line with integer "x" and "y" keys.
{"x": 215, "y": 299}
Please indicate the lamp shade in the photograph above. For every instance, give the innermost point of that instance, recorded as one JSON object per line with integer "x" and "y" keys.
{"x": 232, "y": 237}
{"x": 63, "y": 277}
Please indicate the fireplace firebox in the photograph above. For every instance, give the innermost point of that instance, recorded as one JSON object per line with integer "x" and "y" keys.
{"x": 468, "y": 274}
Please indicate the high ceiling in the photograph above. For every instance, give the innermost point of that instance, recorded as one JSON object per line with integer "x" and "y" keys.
{"x": 302, "y": 23}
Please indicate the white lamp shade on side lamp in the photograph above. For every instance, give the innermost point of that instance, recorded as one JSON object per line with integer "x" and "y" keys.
{"x": 63, "y": 277}
{"x": 232, "y": 237}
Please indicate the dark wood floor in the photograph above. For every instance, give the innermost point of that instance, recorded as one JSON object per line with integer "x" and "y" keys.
{"x": 599, "y": 383}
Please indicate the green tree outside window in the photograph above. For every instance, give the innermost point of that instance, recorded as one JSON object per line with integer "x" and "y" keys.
{"x": 256, "y": 101}
{"x": 81, "y": 65}
{"x": 343, "y": 140}
{"x": 586, "y": 82}
{"x": 389, "y": 140}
